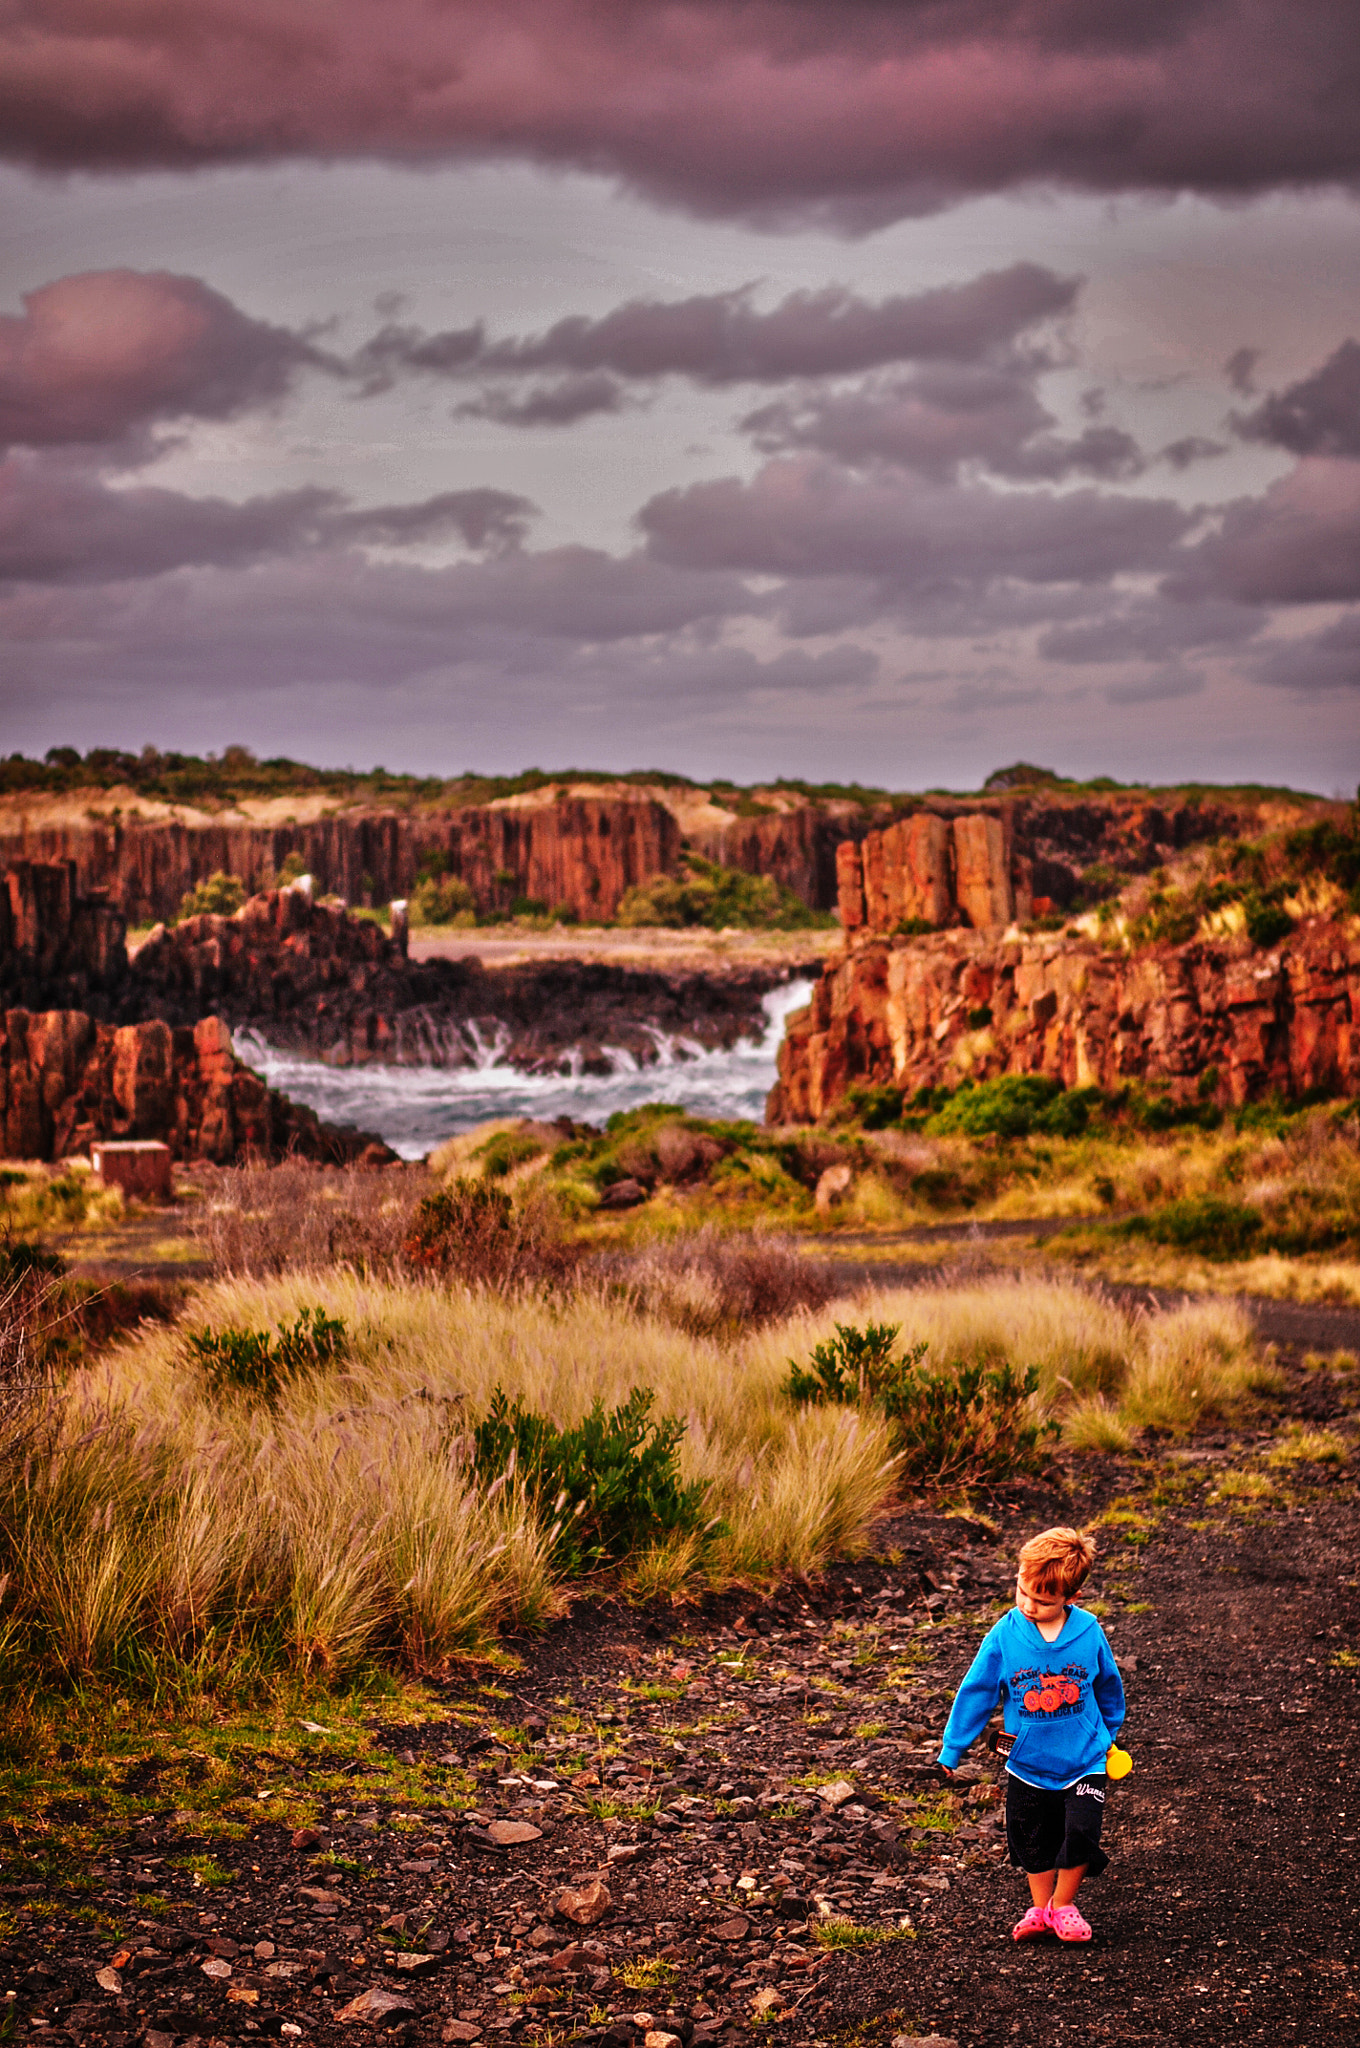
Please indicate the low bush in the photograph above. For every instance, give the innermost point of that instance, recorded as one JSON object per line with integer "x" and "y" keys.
{"x": 607, "y": 1486}
{"x": 503, "y": 1151}
{"x": 442, "y": 900}
{"x": 1207, "y": 1224}
{"x": 58, "y": 1321}
{"x": 1014, "y": 1106}
{"x": 64, "y": 1197}
{"x": 220, "y": 895}
{"x": 260, "y": 1366}
{"x": 707, "y": 894}
{"x": 963, "y": 1425}
{"x": 850, "y": 1366}
{"x": 473, "y": 1231}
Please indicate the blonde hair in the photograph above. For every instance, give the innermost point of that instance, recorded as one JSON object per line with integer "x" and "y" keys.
{"x": 1057, "y": 1561}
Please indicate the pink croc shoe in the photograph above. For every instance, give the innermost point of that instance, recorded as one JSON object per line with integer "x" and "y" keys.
{"x": 1068, "y": 1924}
{"x": 1034, "y": 1922}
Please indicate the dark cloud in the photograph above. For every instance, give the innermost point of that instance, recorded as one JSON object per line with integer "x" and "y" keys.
{"x": 856, "y": 110}
{"x": 806, "y": 517}
{"x": 1320, "y": 415}
{"x": 482, "y": 517}
{"x": 559, "y": 404}
{"x": 1298, "y": 543}
{"x": 1240, "y": 370}
{"x": 1316, "y": 664}
{"x": 1192, "y": 448}
{"x": 940, "y": 417}
{"x": 61, "y": 523}
{"x": 721, "y": 338}
{"x": 95, "y": 357}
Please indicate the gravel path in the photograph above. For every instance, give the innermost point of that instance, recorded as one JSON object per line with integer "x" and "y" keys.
{"x": 722, "y": 1824}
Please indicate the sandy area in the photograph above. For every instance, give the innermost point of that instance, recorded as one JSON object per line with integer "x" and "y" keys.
{"x": 695, "y": 952}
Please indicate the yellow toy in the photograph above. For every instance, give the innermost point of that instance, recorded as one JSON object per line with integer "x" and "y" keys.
{"x": 1118, "y": 1762}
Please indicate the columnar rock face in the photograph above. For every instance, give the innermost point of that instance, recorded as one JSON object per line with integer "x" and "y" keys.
{"x": 55, "y": 945}
{"x": 937, "y": 1011}
{"x": 796, "y": 848}
{"x": 67, "y": 1080}
{"x": 933, "y": 870}
{"x": 578, "y": 853}
{"x": 580, "y": 848}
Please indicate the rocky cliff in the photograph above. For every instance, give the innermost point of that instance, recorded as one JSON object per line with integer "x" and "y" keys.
{"x": 57, "y": 946}
{"x": 931, "y": 870}
{"x": 926, "y": 1012}
{"x": 67, "y": 1080}
{"x": 311, "y": 978}
{"x": 580, "y": 854}
{"x": 579, "y": 847}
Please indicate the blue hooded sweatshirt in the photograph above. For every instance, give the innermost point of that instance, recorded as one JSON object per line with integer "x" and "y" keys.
{"x": 1063, "y": 1700}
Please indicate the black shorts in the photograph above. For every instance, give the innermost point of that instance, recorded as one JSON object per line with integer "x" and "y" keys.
{"x": 1056, "y": 1830}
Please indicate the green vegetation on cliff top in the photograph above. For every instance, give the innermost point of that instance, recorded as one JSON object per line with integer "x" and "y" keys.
{"x": 219, "y": 781}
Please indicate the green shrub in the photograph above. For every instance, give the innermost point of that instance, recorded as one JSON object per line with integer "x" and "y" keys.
{"x": 849, "y": 1366}
{"x": 875, "y": 1108}
{"x": 293, "y": 869}
{"x": 608, "y": 1486}
{"x": 1014, "y": 1106}
{"x": 706, "y": 894}
{"x": 254, "y": 1363}
{"x": 439, "y": 899}
{"x": 1207, "y": 1224}
{"x": 220, "y": 896}
{"x": 971, "y": 1424}
{"x": 505, "y": 1150}
{"x": 963, "y": 1425}
{"x": 1171, "y": 918}
{"x": 1267, "y": 922}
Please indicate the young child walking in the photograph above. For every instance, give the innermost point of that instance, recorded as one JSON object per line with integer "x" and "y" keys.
{"x": 1063, "y": 1707}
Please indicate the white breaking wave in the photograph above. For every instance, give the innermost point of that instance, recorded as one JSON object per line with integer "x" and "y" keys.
{"x": 415, "y": 1108}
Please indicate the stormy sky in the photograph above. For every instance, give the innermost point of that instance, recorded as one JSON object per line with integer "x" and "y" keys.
{"x": 885, "y": 389}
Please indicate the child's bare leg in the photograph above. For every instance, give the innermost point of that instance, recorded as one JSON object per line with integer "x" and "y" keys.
{"x": 1067, "y": 1886}
{"x": 1041, "y": 1885}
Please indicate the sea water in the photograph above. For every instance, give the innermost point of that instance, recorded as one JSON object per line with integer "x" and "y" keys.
{"x": 416, "y": 1108}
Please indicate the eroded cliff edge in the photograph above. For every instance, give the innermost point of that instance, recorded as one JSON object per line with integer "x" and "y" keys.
{"x": 1219, "y": 1019}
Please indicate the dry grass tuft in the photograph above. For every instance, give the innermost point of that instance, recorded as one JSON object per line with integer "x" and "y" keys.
{"x": 1095, "y": 1424}
{"x": 716, "y": 1282}
{"x": 1301, "y": 1446}
{"x": 172, "y": 1527}
{"x": 295, "y": 1217}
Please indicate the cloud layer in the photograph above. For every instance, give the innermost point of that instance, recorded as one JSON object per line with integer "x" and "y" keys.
{"x": 922, "y": 517}
{"x": 848, "y": 109}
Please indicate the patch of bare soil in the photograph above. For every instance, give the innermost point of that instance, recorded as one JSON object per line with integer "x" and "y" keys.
{"x": 738, "y": 1806}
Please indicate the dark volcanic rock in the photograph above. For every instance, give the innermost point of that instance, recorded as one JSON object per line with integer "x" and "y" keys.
{"x": 313, "y": 979}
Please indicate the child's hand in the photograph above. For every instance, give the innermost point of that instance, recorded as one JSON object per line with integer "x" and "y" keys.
{"x": 947, "y": 1771}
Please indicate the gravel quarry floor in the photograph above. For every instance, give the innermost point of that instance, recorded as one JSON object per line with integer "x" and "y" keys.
{"x": 722, "y": 1824}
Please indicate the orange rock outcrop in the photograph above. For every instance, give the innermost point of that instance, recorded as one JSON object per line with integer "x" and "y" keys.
{"x": 937, "y": 1011}
{"x": 67, "y": 1080}
{"x": 931, "y": 870}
